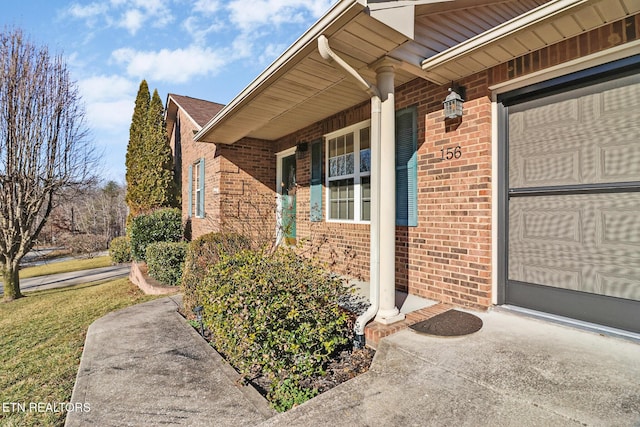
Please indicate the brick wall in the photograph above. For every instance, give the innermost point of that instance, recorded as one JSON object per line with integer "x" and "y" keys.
{"x": 191, "y": 152}
{"x": 447, "y": 257}
{"x": 247, "y": 176}
{"x": 596, "y": 40}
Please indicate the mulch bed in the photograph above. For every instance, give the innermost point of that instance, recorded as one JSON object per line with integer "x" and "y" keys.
{"x": 346, "y": 365}
{"x": 451, "y": 323}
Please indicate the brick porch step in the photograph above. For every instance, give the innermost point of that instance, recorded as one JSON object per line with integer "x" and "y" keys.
{"x": 375, "y": 331}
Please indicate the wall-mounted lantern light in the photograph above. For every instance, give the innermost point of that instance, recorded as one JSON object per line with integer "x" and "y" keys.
{"x": 453, "y": 103}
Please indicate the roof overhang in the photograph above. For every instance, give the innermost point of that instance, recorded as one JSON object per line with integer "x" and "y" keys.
{"x": 437, "y": 40}
{"x": 300, "y": 88}
{"x": 545, "y": 25}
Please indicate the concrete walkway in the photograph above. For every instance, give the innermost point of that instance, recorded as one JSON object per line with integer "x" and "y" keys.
{"x": 145, "y": 365}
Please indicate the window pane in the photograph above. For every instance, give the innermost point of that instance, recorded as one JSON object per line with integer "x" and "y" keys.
{"x": 366, "y": 210}
{"x": 365, "y": 191}
{"x": 334, "y": 191}
{"x": 340, "y": 147}
{"x": 333, "y": 167}
{"x": 341, "y": 166}
{"x": 349, "y": 164}
{"x": 343, "y": 190}
{"x": 365, "y": 185}
{"x": 365, "y": 160}
{"x": 364, "y": 138}
{"x": 332, "y": 147}
{"x": 334, "y": 210}
{"x": 343, "y": 211}
{"x": 339, "y": 192}
{"x": 349, "y": 143}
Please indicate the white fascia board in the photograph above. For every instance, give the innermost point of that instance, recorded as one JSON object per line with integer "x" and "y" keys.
{"x": 502, "y": 31}
{"x": 310, "y": 36}
{"x": 401, "y": 19}
{"x": 399, "y": 15}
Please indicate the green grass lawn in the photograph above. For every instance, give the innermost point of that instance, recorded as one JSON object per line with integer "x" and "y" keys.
{"x": 41, "y": 341}
{"x": 65, "y": 266}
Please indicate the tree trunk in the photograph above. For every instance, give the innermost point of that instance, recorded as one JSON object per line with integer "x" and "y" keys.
{"x": 11, "y": 283}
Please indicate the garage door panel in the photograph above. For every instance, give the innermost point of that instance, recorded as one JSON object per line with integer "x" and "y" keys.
{"x": 573, "y": 209}
{"x": 619, "y": 160}
{"x": 584, "y": 242}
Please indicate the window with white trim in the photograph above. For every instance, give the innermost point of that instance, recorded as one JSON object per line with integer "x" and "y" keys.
{"x": 196, "y": 188}
{"x": 348, "y": 161}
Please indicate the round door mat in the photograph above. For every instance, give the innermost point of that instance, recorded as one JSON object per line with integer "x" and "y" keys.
{"x": 451, "y": 323}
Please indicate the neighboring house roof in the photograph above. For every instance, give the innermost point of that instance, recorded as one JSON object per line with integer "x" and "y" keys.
{"x": 199, "y": 111}
{"x": 437, "y": 40}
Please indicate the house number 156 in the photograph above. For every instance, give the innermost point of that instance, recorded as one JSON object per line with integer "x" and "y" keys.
{"x": 451, "y": 153}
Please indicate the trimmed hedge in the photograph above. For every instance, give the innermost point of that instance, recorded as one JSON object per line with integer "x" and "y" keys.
{"x": 165, "y": 261}
{"x": 275, "y": 316}
{"x": 163, "y": 225}
{"x": 120, "y": 250}
{"x": 203, "y": 253}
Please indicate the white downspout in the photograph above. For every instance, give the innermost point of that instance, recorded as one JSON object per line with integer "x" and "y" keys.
{"x": 376, "y": 112}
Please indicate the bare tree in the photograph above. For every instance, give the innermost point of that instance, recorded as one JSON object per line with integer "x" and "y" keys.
{"x": 44, "y": 146}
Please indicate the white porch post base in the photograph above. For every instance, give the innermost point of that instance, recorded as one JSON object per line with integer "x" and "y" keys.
{"x": 387, "y": 317}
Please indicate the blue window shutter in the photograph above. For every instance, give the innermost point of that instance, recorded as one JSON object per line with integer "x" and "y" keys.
{"x": 407, "y": 167}
{"x": 315, "y": 214}
{"x": 190, "y": 192}
{"x": 201, "y": 179}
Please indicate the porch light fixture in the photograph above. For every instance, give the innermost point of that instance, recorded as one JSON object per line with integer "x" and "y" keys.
{"x": 453, "y": 103}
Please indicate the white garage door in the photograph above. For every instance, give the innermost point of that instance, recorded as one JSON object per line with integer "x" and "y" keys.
{"x": 574, "y": 204}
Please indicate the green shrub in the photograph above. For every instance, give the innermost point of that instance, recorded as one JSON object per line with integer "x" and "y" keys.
{"x": 203, "y": 253}
{"x": 288, "y": 393}
{"x": 163, "y": 225}
{"x": 165, "y": 261}
{"x": 275, "y": 316}
{"x": 120, "y": 250}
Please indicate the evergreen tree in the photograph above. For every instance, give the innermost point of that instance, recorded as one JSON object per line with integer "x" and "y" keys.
{"x": 150, "y": 183}
{"x": 159, "y": 185}
{"x": 135, "y": 151}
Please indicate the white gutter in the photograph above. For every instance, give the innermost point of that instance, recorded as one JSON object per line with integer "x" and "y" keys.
{"x": 339, "y": 10}
{"x": 376, "y": 120}
{"x": 507, "y": 29}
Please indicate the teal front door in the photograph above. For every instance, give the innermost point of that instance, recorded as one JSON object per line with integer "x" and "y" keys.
{"x": 288, "y": 188}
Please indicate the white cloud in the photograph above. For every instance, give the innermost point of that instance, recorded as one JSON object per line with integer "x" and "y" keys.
{"x": 113, "y": 116}
{"x": 128, "y": 14}
{"x": 108, "y": 102}
{"x": 174, "y": 66}
{"x": 274, "y": 12}
{"x": 199, "y": 31}
{"x": 206, "y": 7}
{"x": 88, "y": 11}
{"x": 101, "y": 88}
{"x": 132, "y": 20}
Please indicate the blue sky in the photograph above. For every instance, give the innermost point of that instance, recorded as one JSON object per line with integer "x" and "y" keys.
{"x": 208, "y": 49}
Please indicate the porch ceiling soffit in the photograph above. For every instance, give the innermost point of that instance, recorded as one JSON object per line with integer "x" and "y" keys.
{"x": 300, "y": 88}
{"x": 530, "y": 30}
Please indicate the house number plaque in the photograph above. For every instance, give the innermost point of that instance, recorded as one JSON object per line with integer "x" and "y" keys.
{"x": 451, "y": 153}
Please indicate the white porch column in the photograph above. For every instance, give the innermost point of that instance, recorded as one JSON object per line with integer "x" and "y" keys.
{"x": 387, "y": 312}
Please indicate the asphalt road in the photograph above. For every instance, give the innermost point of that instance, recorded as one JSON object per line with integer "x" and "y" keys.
{"x": 72, "y": 278}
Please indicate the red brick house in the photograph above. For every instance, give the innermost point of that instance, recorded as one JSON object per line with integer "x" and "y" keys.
{"x": 528, "y": 199}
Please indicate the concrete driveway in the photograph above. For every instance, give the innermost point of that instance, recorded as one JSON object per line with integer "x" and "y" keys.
{"x": 72, "y": 278}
